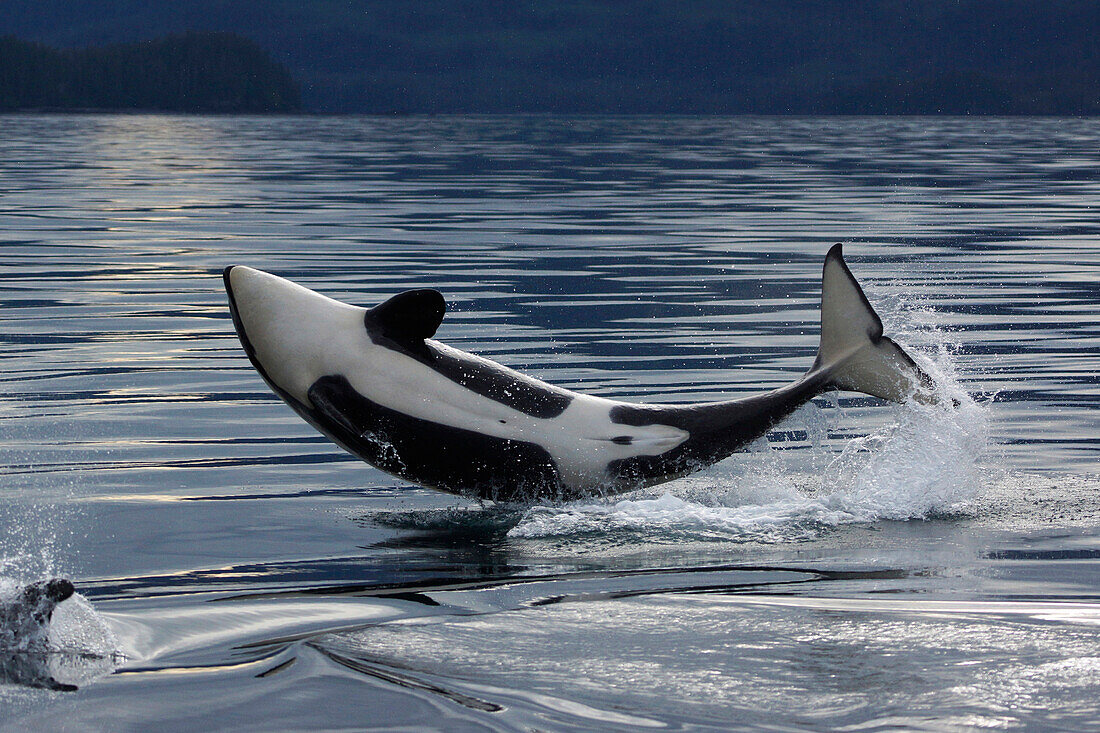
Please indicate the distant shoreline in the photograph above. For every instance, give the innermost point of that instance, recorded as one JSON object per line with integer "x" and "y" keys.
{"x": 189, "y": 73}
{"x": 575, "y": 57}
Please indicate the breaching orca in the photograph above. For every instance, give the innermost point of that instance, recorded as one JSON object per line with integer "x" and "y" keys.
{"x": 24, "y": 616}
{"x": 374, "y": 381}
{"x": 24, "y": 621}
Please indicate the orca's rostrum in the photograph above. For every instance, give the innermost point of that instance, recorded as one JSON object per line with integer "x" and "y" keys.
{"x": 374, "y": 381}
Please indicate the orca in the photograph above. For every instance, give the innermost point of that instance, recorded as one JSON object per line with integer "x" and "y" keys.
{"x": 376, "y": 382}
{"x": 31, "y": 609}
{"x": 24, "y": 622}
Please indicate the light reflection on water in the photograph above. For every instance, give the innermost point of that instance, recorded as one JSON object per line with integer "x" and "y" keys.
{"x": 644, "y": 259}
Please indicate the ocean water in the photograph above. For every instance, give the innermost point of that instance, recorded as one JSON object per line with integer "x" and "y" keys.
{"x": 866, "y": 567}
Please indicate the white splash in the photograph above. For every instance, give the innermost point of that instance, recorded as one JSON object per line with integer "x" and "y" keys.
{"x": 76, "y": 628}
{"x": 925, "y": 461}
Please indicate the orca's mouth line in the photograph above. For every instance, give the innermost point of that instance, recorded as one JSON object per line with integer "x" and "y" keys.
{"x": 249, "y": 349}
{"x": 238, "y": 325}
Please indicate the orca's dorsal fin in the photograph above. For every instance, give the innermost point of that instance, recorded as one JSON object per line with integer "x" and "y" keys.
{"x": 409, "y": 317}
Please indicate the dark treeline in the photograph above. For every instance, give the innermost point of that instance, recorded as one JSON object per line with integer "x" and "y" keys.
{"x": 643, "y": 56}
{"x": 192, "y": 72}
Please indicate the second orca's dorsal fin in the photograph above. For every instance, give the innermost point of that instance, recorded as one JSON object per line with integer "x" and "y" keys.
{"x": 410, "y": 316}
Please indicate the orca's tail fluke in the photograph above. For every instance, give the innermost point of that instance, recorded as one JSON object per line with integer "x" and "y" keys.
{"x": 853, "y": 351}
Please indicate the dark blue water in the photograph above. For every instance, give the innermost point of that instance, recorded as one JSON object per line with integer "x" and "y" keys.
{"x": 867, "y": 566}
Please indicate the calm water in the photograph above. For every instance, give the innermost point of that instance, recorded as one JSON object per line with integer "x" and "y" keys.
{"x": 870, "y": 567}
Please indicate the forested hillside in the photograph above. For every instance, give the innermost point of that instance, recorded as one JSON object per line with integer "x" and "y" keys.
{"x": 192, "y": 72}
{"x": 642, "y": 56}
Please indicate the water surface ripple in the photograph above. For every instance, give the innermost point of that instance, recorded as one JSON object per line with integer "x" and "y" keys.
{"x": 868, "y": 567}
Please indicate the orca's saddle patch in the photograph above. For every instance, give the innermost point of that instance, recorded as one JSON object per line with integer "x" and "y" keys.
{"x": 408, "y": 317}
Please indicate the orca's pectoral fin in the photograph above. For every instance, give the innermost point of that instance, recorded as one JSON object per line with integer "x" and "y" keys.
{"x": 352, "y": 421}
{"x": 411, "y": 316}
{"x": 324, "y": 395}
